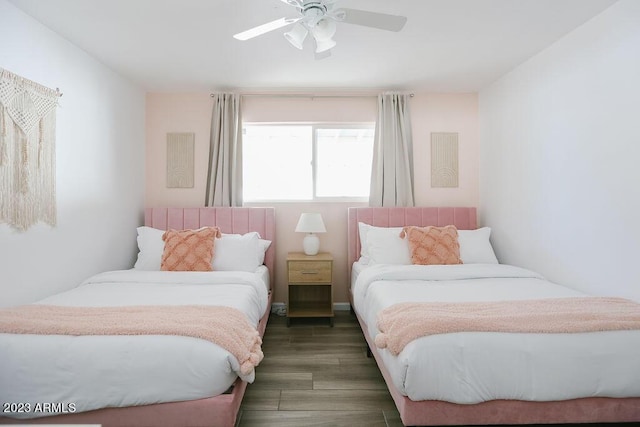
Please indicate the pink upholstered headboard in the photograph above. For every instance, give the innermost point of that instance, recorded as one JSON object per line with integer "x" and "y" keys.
{"x": 230, "y": 220}
{"x": 462, "y": 218}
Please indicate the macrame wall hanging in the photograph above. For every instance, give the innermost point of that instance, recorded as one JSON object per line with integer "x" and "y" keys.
{"x": 27, "y": 152}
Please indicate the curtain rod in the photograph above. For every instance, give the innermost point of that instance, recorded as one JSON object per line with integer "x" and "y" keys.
{"x": 302, "y": 95}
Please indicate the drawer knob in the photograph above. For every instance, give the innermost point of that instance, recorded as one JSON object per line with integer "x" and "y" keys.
{"x": 309, "y": 272}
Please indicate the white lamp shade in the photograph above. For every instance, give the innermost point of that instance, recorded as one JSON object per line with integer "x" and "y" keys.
{"x": 324, "y": 45}
{"x": 297, "y": 35}
{"x": 310, "y": 223}
{"x": 324, "y": 30}
{"x": 323, "y": 33}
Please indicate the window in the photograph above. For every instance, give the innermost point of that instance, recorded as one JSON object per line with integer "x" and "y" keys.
{"x": 306, "y": 162}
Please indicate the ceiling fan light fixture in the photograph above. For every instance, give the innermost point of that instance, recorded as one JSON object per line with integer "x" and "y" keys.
{"x": 319, "y": 18}
{"x": 296, "y": 35}
{"x": 325, "y": 29}
{"x": 324, "y": 45}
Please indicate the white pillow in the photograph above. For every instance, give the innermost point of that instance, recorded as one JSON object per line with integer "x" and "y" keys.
{"x": 363, "y": 229}
{"x": 264, "y": 245}
{"x": 475, "y": 247}
{"x": 383, "y": 245}
{"x": 246, "y": 254}
{"x": 235, "y": 252}
{"x": 150, "y": 246}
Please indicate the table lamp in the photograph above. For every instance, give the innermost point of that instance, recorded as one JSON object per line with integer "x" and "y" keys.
{"x": 311, "y": 223}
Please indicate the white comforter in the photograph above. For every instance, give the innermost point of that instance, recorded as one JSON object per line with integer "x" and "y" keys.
{"x": 475, "y": 367}
{"x": 103, "y": 371}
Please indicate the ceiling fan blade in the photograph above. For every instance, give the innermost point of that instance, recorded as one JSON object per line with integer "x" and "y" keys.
{"x": 265, "y": 28}
{"x": 294, "y": 3}
{"x": 382, "y": 21}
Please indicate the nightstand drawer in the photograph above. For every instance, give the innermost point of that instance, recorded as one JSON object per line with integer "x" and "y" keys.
{"x": 310, "y": 271}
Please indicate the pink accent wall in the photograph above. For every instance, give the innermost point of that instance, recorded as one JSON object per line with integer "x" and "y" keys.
{"x": 446, "y": 113}
{"x": 182, "y": 112}
{"x": 191, "y": 112}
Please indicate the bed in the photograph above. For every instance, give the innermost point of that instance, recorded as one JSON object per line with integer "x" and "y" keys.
{"x": 146, "y": 380}
{"x": 494, "y": 381}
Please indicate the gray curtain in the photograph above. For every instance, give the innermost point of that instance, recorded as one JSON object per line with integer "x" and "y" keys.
{"x": 224, "y": 179}
{"x": 392, "y": 170}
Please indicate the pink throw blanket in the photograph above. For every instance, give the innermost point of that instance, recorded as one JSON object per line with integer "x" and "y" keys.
{"x": 402, "y": 323}
{"x": 224, "y": 326}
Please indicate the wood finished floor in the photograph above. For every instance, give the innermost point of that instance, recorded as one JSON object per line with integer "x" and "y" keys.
{"x": 315, "y": 375}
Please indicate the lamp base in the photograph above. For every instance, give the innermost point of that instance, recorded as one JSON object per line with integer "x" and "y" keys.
{"x": 311, "y": 244}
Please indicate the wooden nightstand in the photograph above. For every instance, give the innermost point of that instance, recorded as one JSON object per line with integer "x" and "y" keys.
{"x": 310, "y": 280}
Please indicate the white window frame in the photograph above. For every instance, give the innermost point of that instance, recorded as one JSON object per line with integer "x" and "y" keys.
{"x": 314, "y": 159}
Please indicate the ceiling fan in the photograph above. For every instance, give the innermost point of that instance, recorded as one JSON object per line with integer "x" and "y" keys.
{"x": 319, "y": 17}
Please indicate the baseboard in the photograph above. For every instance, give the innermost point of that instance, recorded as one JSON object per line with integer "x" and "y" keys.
{"x": 280, "y": 308}
{"x": 341, "y": 306}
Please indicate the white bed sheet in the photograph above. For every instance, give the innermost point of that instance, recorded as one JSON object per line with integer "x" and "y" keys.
{"x": 101, "y": 371}
{"x": 469, "y": 368}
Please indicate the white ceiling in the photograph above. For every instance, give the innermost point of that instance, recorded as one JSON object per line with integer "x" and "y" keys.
{"x": 187, "y": 45}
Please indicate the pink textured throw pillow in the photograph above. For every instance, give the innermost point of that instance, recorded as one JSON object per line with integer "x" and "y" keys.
{"x": 433, "y": 245}
{"x": 189, "y": 250}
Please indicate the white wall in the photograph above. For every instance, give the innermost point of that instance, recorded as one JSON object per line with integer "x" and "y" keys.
{"x": 99, "y": 167}
{"x": 560, "y": 157}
